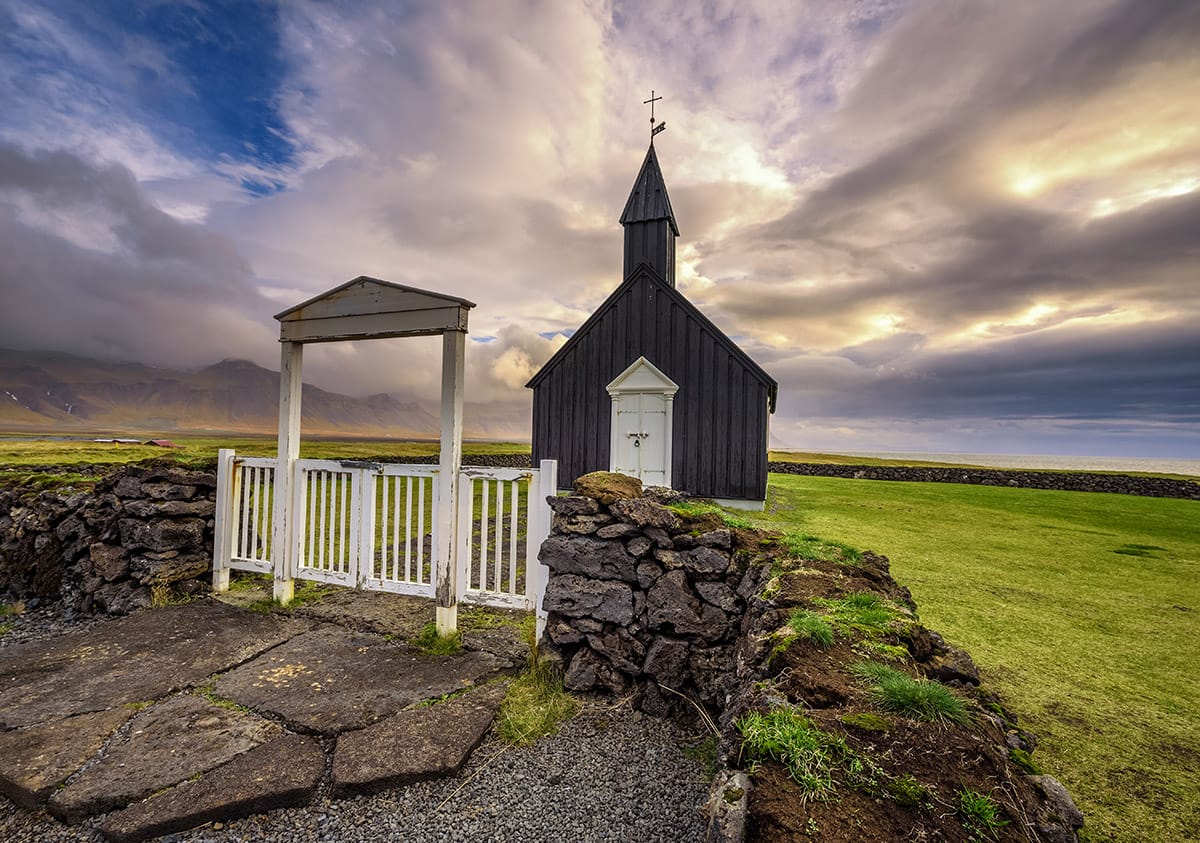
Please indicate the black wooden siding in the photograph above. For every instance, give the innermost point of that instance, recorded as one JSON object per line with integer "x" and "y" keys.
{"x": 651, "y": 243}
{"x": 721, "y": 412}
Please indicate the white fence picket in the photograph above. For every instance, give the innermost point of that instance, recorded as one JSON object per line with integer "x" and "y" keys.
{"x": 374, "y": 526}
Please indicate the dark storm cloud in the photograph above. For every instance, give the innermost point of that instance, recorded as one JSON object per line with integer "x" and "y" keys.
{"x": 1136, "y": 372}
{"x": 91, "y": 266}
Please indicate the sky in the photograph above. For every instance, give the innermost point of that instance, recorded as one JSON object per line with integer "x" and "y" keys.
{"x": 941, "y": 226}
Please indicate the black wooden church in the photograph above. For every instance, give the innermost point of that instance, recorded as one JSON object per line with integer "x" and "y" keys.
{"x": 649, "y": 386}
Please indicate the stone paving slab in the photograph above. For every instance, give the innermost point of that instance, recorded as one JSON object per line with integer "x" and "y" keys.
{"x": 331, "y": 680}
{"x": 109, "y": 720}
{"x": 139, "y": 658}
{"x": 281, "y": 773}
{"x": 420, "y": 743}
{"x": 36, "y": 760}
{"x": 164, "y": 745}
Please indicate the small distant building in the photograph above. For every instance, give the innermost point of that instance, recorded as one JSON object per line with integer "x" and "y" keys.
{"x": 162, "y": 443}
{"x": 648, "y": 386}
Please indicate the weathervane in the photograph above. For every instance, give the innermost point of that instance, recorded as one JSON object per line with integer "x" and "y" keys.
{"x": 654, "y": 130}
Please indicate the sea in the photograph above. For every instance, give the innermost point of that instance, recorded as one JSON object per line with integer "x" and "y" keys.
{"x": 1157, "y": 465}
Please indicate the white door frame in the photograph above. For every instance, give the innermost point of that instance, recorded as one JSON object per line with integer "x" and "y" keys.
{"x": 644, "y": 378}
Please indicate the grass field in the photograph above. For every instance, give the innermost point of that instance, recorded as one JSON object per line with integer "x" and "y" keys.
{"x": 21, "y": 450}
{"x": 1083, "y": 609}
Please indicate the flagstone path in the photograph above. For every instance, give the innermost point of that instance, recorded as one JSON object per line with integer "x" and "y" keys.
{"x": 174, "y": 717}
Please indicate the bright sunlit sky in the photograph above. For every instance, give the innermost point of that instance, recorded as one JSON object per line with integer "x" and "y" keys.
{"x": 942, "y": 226}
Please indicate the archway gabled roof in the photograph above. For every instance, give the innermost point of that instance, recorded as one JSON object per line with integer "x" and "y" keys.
{"x": 368, "y": 308}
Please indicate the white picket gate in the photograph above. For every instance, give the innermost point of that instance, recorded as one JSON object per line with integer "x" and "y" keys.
{"x": 374, "y": 526}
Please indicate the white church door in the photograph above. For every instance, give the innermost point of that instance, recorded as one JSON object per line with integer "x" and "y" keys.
{"x": 642, "y": 402}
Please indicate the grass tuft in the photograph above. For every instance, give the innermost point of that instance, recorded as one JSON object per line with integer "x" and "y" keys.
{"x": 921, "y": 699}
{"x": 811, "y": 627}
{"x": 304, "y": 593}
{"x": 809, "y": 754}
{"x": 861, "y": 612}
{"x": 806, "y": 546}
{"x": 536, "y": 704}
{"x": 980, "y": 816}
{"x": 428, "y": 641}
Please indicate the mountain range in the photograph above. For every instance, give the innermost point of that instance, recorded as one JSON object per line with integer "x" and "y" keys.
{"x": 54, "y": 391}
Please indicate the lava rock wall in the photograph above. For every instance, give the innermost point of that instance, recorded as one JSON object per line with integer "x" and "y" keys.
{"x": 639, "y": 596}
{"x": 144, "y": 532}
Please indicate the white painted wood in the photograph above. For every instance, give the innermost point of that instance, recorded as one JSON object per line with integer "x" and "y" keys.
{"x": 642, "y": 376}
{"x": 376, "y": 325}
{"x": 642, "y": 408}
{"x": 497, "y": 599}
{"x": 222, "y": 521}
{"x": 446, "y": 552}
{"x": 537, "y": 575}
{"x": 365, "y": 295}
{"x": 291, "y": 366}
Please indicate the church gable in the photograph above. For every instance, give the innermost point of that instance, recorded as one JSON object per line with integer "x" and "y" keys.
{"x": 646, "y": 317}
{"x": 648, "y": 385}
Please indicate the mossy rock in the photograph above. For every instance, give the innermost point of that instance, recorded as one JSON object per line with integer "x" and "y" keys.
{"x": 1025, "y": 761}
{"x": 906, "y": 791}
{"x": 867, "y": 721}
{"x": 608, "y": 486}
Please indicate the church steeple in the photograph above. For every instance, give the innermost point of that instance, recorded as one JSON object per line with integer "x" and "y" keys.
{"x": 649, "y": 222}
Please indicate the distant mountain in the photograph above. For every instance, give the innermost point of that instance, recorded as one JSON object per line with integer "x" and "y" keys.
{"x": 55, "y": 391}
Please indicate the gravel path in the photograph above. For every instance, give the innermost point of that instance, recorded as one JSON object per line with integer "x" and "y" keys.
{"x": 610, "y": 774}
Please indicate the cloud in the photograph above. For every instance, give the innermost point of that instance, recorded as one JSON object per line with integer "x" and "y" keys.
{"x": 922, "y": 219}
{"x": 92, "y": 266}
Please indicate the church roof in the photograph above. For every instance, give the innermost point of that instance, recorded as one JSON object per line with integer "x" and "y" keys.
{"x": 646, "y": 274}
{"x": 648, "y": 200}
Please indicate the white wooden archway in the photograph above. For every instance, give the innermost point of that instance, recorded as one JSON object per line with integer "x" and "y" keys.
{"x": 361, "y": 309}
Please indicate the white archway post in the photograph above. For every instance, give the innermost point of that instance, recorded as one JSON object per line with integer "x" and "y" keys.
{"x": 283, "y": 542}
{"x": 450, "y": 462}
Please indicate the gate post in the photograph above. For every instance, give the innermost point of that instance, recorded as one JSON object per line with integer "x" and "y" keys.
{"x": 537, "y": 575}
{"x": 285, "y": 529}
{"x": 454, "y": 347}
{"x": 222, "y": 521}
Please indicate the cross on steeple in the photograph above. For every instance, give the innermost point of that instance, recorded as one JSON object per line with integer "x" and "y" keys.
{"x": 654, "y": 130}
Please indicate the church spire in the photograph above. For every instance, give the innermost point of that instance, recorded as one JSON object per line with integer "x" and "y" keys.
{"x": 649, "y": 222}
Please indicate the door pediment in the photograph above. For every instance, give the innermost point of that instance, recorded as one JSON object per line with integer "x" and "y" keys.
{"x": 642, "y": 376}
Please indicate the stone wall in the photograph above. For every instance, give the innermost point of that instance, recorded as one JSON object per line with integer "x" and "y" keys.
{"x": 143, "y": 532}
{"x": 636, "y": 595}
{"x": 1121, "y": 484}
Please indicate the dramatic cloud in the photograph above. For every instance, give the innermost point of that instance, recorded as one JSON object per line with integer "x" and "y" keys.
{"x": 967, "y": 227}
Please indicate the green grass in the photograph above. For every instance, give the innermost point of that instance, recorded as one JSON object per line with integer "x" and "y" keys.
{"x": 980, "y": 816}
{"x": 202, "y": 449}
{"x": 811, "y": 627}
{"x": 805, "y": 546}
{"x": 810, "y": 755}
{"x": 848, "y": 459}
{"x": 304, "y": 592}
{"x": 899, "y": 693}
{"x": 536, "y": 704}
{"x": 431, "y": 643}
{"x": 1094, "y": 648}
{"x": 700, "y": 508}
{"x": 862, "y": 612}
